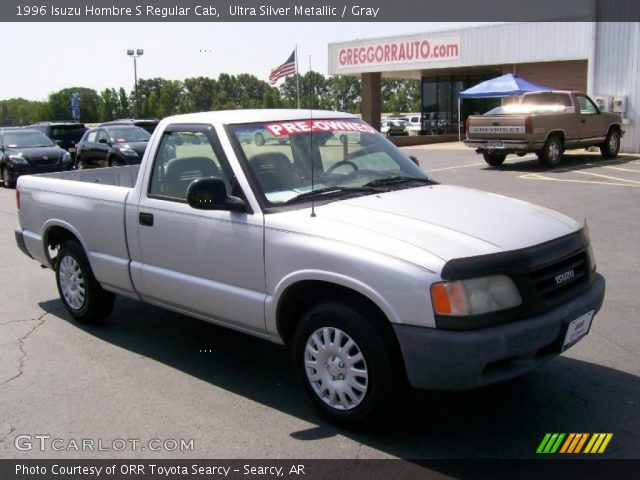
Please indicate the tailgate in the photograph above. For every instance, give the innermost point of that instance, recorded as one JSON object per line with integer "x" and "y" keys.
{"x": 503, "y": 127}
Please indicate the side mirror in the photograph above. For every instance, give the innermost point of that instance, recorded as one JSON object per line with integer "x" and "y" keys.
{"x": 211, "y": 194}
{"x": 414, "y": 160}
{"x": 103, "y": 140}
{"x": 60, "y": 143}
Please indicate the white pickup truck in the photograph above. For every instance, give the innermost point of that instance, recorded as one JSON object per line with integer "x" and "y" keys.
{"x": 337, "y": 245}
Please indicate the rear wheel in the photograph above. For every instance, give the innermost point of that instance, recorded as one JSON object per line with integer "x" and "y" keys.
{"x": 611, "y": 145}
{"x": 552, "y": 151}
{"x": 346, "y": 364}
{"x": 494, "y": 159}
{"x": 113, "y": 162}
{"x": 79, "y": 290}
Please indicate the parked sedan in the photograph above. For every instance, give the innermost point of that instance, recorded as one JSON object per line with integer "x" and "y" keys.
{"x": 112, "y": 146}
{"x": 29, "y": 151}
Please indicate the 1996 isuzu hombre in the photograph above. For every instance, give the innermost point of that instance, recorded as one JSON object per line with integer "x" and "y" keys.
{"x": 330, "y": 240}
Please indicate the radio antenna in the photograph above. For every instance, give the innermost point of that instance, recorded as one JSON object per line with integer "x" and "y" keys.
{"x": 313, "y": 202}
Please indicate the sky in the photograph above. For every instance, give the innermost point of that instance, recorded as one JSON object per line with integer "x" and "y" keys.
{"x": 46, "y": 57}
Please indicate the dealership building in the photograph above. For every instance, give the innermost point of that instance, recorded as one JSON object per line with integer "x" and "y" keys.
{"x": 602, "y": 59}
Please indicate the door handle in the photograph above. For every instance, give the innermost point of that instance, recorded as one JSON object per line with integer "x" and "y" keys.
{"x": 146, "y": 219}
{"x": 583, "y": 121}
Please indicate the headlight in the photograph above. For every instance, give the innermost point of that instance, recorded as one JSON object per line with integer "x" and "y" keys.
{"x": 18, "y": 159}
{"x": 66, "y": 157}
{"x": 129, "y": 152}
{"x": 475, "y": 296}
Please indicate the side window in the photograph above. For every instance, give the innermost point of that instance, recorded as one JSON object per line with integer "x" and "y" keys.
{"x": 101, "y": 134}
{"x": 182, "y": 157}
{"x": 587, "y": 107}
{"x": 91, "y": 137}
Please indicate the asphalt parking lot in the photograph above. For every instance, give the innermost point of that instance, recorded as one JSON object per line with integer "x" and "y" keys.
{"x": 151, "y": 374}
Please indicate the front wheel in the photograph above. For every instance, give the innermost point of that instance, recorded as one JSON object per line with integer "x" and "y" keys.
{"x": 494, "y": 159}
{"x": 611, "y": 145}
{"x": 346, "y": 364}
{"x": 79, "y": 290}
{"x": 7, "y": 180}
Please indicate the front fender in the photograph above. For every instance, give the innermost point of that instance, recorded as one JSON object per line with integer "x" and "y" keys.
{"x": 376, "y": 296}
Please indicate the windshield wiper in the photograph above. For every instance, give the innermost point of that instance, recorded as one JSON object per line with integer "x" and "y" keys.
{"x": 396, "y": 179}
{"x": 331, "y": 190}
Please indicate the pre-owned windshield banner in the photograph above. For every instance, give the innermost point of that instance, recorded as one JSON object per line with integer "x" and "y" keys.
{"x": 317, "y": 11}
{"x": 281, "y": 129}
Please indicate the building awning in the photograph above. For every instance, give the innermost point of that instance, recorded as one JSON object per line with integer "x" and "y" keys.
{"x": 508, "y": 85}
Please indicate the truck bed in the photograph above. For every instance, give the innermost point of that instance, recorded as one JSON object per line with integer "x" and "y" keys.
{"x": 116, "y": 176}
{"x": 88, "y": 201}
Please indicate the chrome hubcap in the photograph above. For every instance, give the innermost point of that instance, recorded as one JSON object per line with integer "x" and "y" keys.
{"x": 613, "y": 143}
{"x": 336, "y": 368}
{"x": 554, "y": 151}
{"x": 72, "y": 282}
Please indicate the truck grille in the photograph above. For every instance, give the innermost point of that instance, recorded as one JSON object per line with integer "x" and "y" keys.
{"x": 560, "y": 277}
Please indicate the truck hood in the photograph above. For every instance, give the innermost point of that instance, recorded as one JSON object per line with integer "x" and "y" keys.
{"x": 442, "y": 220}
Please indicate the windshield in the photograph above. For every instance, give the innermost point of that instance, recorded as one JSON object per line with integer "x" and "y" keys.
{"x": 293, "y": 161}
{"x": 26, "y": 140}
{"x": 129, "y": 134}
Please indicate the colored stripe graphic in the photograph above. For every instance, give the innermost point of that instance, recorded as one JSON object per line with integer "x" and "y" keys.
{"x": 574, "y": 443}
{"x": 550, "y": 443}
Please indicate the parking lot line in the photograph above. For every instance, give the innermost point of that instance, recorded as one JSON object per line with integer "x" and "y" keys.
{"x": 538, "y": 176}
{"x": 607, "y": 176}
{"x": 458, "y": 166}
{"x": 623, "y": 169}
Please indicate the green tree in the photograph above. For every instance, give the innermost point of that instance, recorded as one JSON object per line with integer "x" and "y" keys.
{"x": 200, "y": 92}
{"x": 313, "y": 90}
{"x": 123, "y": 104}
{"x": 345, "y": 94}
{"x": 60, "y": 104}
{"x": 108, "y": 106}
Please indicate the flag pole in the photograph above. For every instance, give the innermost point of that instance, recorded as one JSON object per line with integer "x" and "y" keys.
{"x": 297, "y": 78}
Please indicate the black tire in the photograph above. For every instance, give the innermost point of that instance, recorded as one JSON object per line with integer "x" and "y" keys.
{"x": 494, "y": 159}
{"x": 552, "y": 152}
{"x": 7, "y": 181}
{"x": 259, "y": 139}
{"x": 611, "y": 145}
{"x": 382, "y": 362}
{"x": 113, "y": 162}
{"x": 97, "y": 302}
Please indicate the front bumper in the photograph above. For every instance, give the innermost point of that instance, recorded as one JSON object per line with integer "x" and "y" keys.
{"x": 461, "y": 360}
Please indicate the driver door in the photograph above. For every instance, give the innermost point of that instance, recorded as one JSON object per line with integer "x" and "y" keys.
{"x": 204, "y": 262}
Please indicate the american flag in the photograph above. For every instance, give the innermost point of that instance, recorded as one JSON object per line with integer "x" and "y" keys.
{"x": 287, "y": 68}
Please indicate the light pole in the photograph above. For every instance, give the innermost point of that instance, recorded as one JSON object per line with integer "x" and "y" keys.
{"x": 135, "y": 54}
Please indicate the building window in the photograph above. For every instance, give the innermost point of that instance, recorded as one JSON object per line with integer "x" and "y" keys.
{"x": 440, "y": 102}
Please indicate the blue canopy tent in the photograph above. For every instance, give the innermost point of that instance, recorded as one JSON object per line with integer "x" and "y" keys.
{"x": 508, "y": 85}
